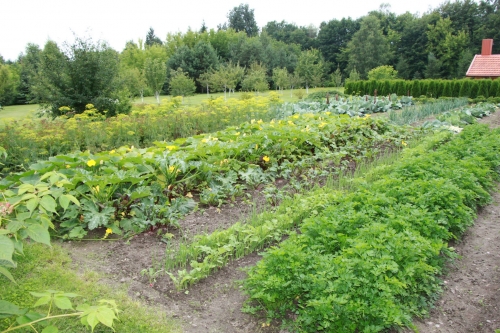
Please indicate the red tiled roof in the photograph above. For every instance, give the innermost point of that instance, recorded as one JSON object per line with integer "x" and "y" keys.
{"x": 486, "y": 66}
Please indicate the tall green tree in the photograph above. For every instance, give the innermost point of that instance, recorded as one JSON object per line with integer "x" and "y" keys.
{"x": 447, "y": 45}
{"x": 310, "y": 68}
{"x": 155, "y": 73}
{"x": 337, "y": 77}
{"x": 181, "y": 84}
{"x": 280, "y": 78}
{"x": 152, "y": 39}
{"x": 333, "y": 37}
{"x": 242, "y": 18}
{"x": 227, "y": 77}
{"x": 290, "y": 33}
{"x": 29, "y": 62}
{"x": 433, "y": 69}
{"x": 255, "y": 79}
{"x": 85, "y": 72}
{"x": 368, "y": 47}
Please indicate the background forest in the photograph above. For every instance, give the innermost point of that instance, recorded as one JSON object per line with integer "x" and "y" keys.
{"x": 239, "y": 55}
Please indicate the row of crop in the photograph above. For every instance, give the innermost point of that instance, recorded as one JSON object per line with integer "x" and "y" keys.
{"x": 204, "y": 255}
{"x": 30, "y": 140}
{"x": 419, "y": 112}
{"x": 209, "y": 252}
{"x": 461, "y": 117}
{"x": 370, "y": 259}
{"x": 130, "y": 189}
{"x": 430, "y": 88}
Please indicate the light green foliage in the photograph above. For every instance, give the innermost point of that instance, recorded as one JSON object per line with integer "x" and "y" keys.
{"x": 337, "y": 78}
{"x": 155, "y": 73}
{"x": 280, "y": 78}
{"x": 42, "y": 268}
{"x": 105, "y": 313}
{"x": 227, "y": 77}
{"x": 27, "y": 210}
{"x": 181, "y": 84}
{"x": 255, "y": 79}
{"x": 382, "y": 73}
{"x": 310, "y": 68}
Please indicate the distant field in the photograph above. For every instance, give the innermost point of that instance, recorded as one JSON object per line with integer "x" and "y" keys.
{"x": 198, "y": 98}
{"x": 22, "y": 111}
{"x": 18, "y": 111}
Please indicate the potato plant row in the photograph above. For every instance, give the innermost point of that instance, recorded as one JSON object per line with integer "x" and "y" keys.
{"x": 370, "y": 259}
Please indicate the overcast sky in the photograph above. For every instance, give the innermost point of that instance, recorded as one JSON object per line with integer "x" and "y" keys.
{"x": 36, "y": 21}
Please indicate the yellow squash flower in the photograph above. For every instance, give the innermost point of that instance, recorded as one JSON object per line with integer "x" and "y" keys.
{"x": 91, "y": 163}
{"x": 266, "y": 159}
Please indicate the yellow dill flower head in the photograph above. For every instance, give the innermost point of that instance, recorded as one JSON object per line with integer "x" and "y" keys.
{"x": 259, "y": 121}
{"x": 91, "y": 163}
{"x": 112, "y": 152}
{"x": 295, "y": 116}
{"x": 204, "y": 140}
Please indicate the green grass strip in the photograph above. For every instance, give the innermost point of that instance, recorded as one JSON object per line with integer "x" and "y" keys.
{"x": 43, "y": 268}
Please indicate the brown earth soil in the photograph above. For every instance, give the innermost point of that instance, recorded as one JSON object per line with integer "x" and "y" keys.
{"x": 470, "y": 301}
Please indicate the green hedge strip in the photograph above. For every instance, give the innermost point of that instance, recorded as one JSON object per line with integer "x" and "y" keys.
{"x": 429, "y": 88}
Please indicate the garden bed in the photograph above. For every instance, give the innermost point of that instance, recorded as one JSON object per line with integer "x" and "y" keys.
{"x": 470, "y": 301}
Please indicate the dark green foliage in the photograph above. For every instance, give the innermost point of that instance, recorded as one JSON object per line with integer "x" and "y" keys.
{"x": 447, "y": 89}
{"x": 455, "y": 88}
{"x": 494, "y": 88}
{"x": 152, "y": 39}
{"x": 431, "y": 89}
{"x": 474, "y": 88}
{"x": 84, "y": 73}
{"x": 370, "y": 260}
{"x": 417, "y": 89}
{"x": 465, "y": 88}
{"x": 242, "y": 18}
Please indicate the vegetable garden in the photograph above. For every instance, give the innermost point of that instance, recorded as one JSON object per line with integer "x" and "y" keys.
{"x": 355, "y": 216}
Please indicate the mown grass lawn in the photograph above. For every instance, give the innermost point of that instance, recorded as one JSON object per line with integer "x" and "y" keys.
{"x": 17, "y": 111}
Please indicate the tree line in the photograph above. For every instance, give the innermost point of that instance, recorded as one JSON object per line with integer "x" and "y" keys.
{"x": 238, "y": 55}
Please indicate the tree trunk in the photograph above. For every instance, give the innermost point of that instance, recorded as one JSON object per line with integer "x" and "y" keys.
{"x": 307, "y": 89}
{"x": 208, "y": 93}
{"x": 157, "y": 95}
